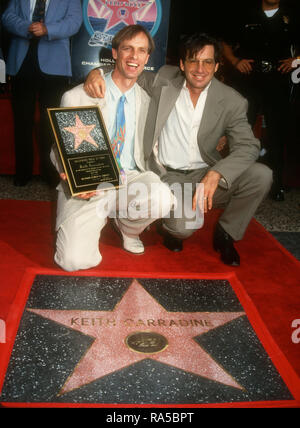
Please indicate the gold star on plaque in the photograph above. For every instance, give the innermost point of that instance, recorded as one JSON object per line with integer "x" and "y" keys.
{"x": 82, "y": 133}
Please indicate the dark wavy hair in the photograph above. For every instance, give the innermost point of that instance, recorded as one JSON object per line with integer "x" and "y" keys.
{"x": 192, "y": 44}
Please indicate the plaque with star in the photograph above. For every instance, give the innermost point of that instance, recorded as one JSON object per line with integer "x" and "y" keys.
{"x": 84, "y": 149}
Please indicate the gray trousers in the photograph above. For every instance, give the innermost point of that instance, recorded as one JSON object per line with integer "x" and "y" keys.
{"x": 240, "y": 202}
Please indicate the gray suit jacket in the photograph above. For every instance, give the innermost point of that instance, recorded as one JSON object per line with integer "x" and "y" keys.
{"x": 225, "y": 113}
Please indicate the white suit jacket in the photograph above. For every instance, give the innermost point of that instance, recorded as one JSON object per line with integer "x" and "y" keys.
{"x": 76, "y": 97}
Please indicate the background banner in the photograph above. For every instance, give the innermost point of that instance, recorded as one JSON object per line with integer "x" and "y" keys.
{"x": 102, "y": 19}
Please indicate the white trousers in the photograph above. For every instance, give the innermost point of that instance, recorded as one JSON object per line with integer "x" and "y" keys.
{"x": 143, "y": 200}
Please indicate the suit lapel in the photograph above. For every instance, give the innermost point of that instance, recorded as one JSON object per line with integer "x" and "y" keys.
{"x": 103, "y": 108}
{"x": 212, "y": 110}
{"x": 168, "y": 97}
{"x": 25, "y": 5}
{"x": 52, "y": 7}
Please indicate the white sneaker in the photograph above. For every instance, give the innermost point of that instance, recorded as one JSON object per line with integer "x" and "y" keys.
{"x": 132, "y": 245}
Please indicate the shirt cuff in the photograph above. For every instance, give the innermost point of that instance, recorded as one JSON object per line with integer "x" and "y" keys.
{"x": 101, "y": 72}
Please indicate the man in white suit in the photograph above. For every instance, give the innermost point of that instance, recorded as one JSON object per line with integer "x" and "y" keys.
{"x": 143, "y": 198}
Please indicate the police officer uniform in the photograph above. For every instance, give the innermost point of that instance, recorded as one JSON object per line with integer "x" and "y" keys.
{"x": 267, "y": 40}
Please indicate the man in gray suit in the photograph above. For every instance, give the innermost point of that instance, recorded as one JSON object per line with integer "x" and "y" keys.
{"x": 190, "y": 110}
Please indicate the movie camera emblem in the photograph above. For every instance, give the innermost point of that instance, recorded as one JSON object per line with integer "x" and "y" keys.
{"x": 104, "y": 18}
{"x": 145, "y": 342}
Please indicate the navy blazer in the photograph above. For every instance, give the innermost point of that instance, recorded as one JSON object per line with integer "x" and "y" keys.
{"x": 63, "y": 19}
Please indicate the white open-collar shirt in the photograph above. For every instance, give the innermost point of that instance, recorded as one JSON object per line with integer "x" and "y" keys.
{"x": 177, "y": 144}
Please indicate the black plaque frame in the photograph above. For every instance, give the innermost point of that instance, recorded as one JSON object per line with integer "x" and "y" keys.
{"x": 90, "y": 166}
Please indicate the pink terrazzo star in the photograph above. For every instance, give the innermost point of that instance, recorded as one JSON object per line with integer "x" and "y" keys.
{"x": 81, "y": 133}
{"x": 139, "y": 312}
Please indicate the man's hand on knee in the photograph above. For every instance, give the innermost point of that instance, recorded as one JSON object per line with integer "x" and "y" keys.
{"x": 211, "y": 181}
{"x": 86, "y": 195}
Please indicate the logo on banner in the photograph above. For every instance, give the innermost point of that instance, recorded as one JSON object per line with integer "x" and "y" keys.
{"x": 104, "y": 18}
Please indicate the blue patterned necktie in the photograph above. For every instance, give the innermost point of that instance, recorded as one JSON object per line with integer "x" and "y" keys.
{"x": 39, "y": 11}
{"x": 119, "y": 138}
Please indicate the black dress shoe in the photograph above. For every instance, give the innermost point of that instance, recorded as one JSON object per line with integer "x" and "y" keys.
{"x": 170, "y": 242}
{"x": 173, "y": 244}
{"x": 223, "y": 243}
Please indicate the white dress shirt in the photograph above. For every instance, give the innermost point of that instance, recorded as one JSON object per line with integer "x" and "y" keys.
{"x": 177, "y": 144}
{"x": 112, "y": 97}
